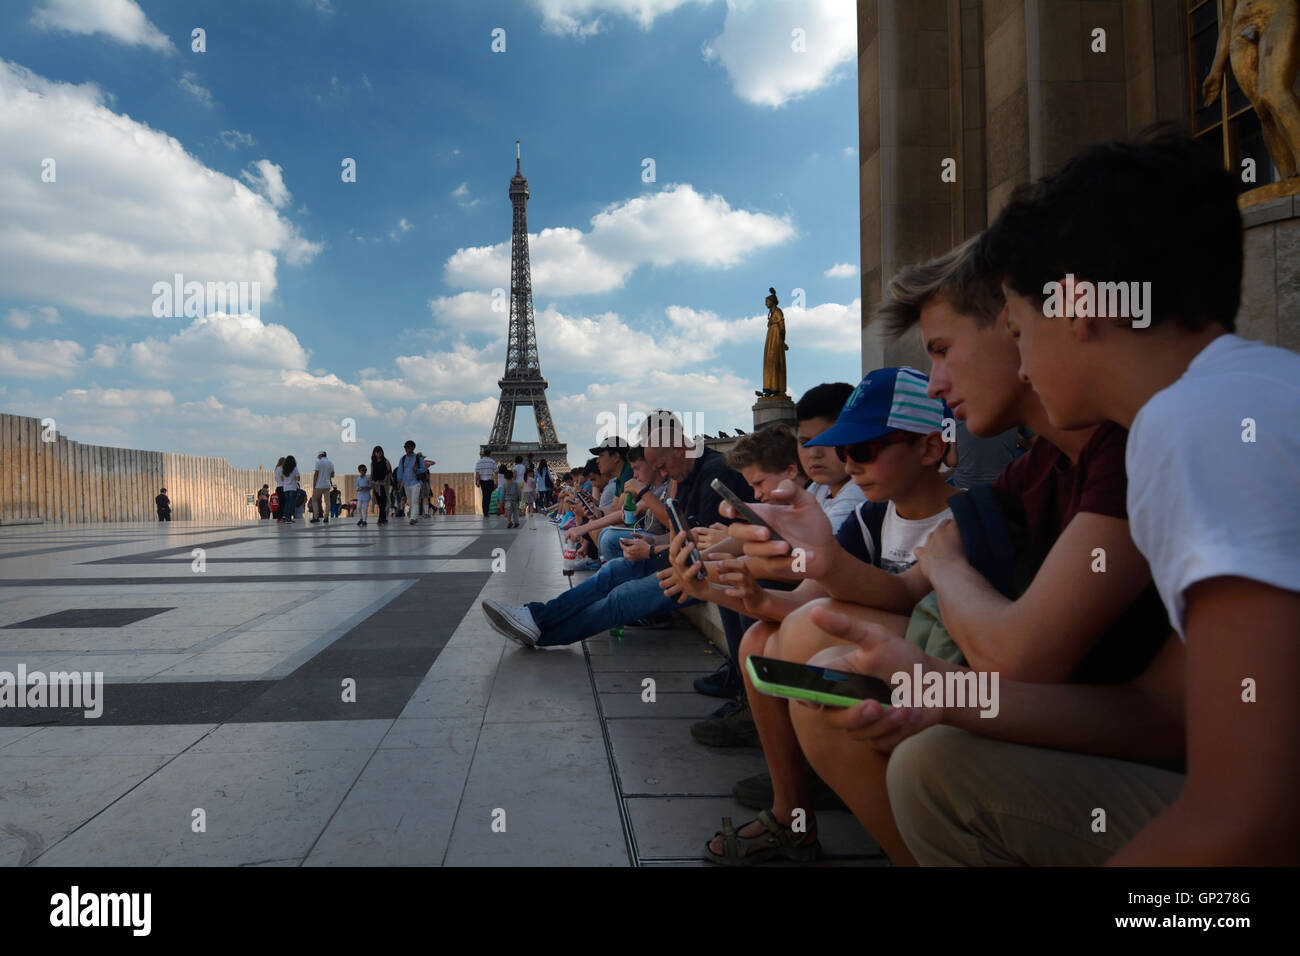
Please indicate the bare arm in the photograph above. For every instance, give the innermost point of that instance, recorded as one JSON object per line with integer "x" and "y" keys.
{"x": 803, "y": 525}
{"x": 861, "y": 583}
{"x": 1238, "y": 806}
{"x": 1043, "y": 634}
{"x": 1142, "y": 720}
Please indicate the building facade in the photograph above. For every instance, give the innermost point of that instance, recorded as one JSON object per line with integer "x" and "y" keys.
{"x": 959, "y": 101}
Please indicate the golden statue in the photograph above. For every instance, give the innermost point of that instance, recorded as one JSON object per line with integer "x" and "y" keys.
{"x": 1263, "y": 42}
{"x": 774, "y": 351}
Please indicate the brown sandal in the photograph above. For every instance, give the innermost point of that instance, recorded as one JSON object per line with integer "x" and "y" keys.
{"x": 775, "y": 841}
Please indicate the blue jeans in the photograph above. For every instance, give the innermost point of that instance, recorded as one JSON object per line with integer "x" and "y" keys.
{"x": 607, "y": 544}
{"x": 620, "y": 592}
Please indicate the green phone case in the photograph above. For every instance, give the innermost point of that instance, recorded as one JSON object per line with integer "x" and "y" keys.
{"x": 800, "y": 693}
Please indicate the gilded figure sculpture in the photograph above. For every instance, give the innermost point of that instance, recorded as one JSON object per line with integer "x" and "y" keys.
{"x": 774, "y": 351}
{"x": 1262, "y": 41}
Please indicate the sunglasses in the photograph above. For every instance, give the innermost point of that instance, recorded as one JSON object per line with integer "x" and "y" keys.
{"x": 864, "y": 452}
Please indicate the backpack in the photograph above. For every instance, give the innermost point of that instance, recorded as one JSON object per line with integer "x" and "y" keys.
{"x": 421, "y": 469}
{"x": 871, "y": 523}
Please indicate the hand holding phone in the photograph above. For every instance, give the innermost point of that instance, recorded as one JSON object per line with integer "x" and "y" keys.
{"x": 820, "y": 685}
{"x": 745, "y": 512}
{"x": 680, "y": 525}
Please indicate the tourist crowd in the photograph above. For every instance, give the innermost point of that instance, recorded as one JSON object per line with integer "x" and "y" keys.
{"x": 1115, "y": 556}
{"x": 381, "y": 488}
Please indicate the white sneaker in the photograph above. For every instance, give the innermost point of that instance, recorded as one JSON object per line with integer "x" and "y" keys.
{"x": 516, "y": 623}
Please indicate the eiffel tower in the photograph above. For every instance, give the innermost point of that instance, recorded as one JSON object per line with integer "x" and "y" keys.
{"x": 522, "y": 383}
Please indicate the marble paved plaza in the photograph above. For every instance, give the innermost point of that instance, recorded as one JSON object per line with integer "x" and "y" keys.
{"x": 226, "y": 649}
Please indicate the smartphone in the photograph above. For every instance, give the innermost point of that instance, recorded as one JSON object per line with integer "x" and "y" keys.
{"x": 679, "y": 525}
{"x": 744, "y": 510}
{"x": 820, "y": 685}
{"x": 592, "y": 510}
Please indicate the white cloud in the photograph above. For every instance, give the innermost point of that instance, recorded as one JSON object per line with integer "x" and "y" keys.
{"x": 120, "y": 398}
{"x": 461, "y": 194}
{"x": 130, "y": 206}
{"x": 41, "y": 358}
{"x": 831, "y": 327}
{"x": 603, "y": 343}
{"x": 401, "y": 229}
{"x": 850, "y": 151}
{"x": 267, "y": 179}
{"x": 713, "y": 400}
{"x": 450, "y": 413}
{"x": 458, "y": 371}
{"x": 121, "y": 20}
{"x": 574, "y": 17}
{"x": 189, "y": 83}
{"x": 675, "y": 226}
{"x": 23, "y": 318}
{"x": 470, "y": 311}
{"x": 841, "y": 270}
{"x": 234, "y": 139}
{"x": 757, "y": 47}
{"x": 237, "y": 349}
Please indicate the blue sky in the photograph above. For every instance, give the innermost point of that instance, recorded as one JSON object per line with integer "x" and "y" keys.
{"x": 375, "y": 302}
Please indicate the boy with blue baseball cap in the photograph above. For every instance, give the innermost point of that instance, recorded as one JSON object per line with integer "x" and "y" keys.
{"x": 890, "y": 437}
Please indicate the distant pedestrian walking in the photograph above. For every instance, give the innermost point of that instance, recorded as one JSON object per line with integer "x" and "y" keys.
{"x": 510, "y": 492}
{"x": 164, "y": 505}
{"x": 336, "y": 501}
{"x": 410, "y": 469}
{"x": 486, "y": 469}
{"x": 381, "y": 480}
{"x": 449, "y": 497}
{"x": 363, "y": 496}
{"x": 322, "y": 480}
{"x": 264, "y": 502}
{"x": 279, "y": 491}
{"x": 290, "y": 494}
{"x": 543, "y": 485}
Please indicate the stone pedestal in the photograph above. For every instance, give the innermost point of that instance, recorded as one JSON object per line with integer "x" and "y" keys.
{"x": 774, "y": 409}
{"x": 1270, "y": 286}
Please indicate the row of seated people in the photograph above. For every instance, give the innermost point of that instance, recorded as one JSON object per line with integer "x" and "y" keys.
{"x": 1127, "y": 591}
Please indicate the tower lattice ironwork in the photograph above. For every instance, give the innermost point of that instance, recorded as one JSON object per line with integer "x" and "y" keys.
{"x": 522, "y": 383}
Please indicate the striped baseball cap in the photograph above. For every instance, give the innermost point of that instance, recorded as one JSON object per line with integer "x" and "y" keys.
{"x": 887, "y": 400}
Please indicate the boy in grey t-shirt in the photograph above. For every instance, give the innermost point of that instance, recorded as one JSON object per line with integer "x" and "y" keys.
{"x": 510, "y": 492}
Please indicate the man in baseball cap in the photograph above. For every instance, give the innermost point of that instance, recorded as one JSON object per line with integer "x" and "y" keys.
{"x": 888, "y": 400}
{"x": 611, "y": 457}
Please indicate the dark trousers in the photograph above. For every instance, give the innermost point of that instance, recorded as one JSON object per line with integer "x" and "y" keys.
{"x": 734, "y": 626}
{"x": 487, "y": 487}
{"x": 381, "y": 501}
{"x": 279, "y": 501}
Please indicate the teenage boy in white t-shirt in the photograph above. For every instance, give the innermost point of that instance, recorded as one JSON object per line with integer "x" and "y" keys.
{"x": 1213, "y": 459}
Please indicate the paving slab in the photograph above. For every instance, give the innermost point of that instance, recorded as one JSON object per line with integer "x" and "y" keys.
{"x": 659, "y": 756}
{"x": 553, "y": 783}
{"x": 232, "y": 701}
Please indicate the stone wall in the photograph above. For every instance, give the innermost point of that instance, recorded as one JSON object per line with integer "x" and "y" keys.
{"x": 1009, "y": 89}
{"x": 46, "y": 477}
{"x": 1270, "y": 284}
